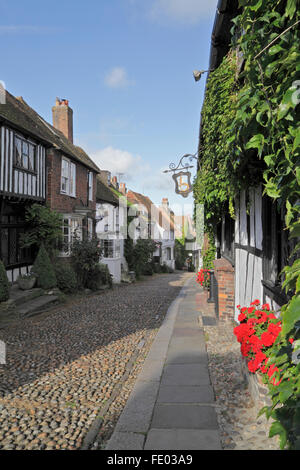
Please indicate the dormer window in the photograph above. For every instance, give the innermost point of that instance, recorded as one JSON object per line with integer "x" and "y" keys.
{"x": 24, "y": 154}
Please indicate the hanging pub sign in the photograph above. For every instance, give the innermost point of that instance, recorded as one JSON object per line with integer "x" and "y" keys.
{"x": 181, "y": 175}
{"x": 183, "y": 183}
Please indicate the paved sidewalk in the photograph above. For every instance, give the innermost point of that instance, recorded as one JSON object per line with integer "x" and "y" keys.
{"x": 172, "y": 405}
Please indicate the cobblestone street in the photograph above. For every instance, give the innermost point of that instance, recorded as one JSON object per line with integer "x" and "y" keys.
{"x": 78, "y": 362}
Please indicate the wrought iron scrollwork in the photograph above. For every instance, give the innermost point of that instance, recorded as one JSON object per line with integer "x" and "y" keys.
{"x": 181, "y": 165}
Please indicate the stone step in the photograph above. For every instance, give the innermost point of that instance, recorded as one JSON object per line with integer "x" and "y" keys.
{"x": 37, "y": 305}
{"x": 19, "y": 296}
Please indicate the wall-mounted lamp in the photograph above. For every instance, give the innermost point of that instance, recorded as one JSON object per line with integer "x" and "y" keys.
{"x": 198, "y": 74}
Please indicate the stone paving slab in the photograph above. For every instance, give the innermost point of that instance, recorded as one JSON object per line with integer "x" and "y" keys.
{"x": 126, "y": 441}
{"x": 152, "y": 370}
{"x": 136, "y": 416}
{"x": 184, "y": 416}
{"x": 185, "y": 374}
{"x": 172, "y": 403}
{"x": 185, "y": 394}
{"x": 183, "y": 439}
{"x": 185, "y": 331}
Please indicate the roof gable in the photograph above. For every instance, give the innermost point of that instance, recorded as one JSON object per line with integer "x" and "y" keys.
{"x": 17, "y": 112}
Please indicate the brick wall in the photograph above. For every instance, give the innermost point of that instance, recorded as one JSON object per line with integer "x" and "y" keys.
{"x": 61, "y": 202}
{"x": 224, "y": 273}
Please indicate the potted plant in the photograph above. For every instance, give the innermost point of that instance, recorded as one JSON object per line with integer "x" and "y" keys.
{"x": 26, "y": 281}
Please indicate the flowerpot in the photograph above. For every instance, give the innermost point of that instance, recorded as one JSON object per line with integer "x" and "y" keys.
{"x": 26, "y": 284}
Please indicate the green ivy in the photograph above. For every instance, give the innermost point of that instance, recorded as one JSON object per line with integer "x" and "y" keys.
{"x": 213, "y": 185}
{"x": 266, "y": 123}
{"x": 250, "y": 134}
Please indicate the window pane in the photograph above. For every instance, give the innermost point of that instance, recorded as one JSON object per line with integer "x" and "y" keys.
{"x": 72, "y": 179}
{"x": 25, "y": 148}
{"x": 65, "y": 176}
{"x": 31, "y": 157}
{"x": 18, "y": 149}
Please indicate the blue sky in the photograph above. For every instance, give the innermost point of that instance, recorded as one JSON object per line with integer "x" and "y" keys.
{"x": 126, "y": 67}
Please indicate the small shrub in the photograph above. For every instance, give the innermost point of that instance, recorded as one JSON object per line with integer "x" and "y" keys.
{"x": 85, "y": 260}
{"x": 147, "y": 269}
{"x": 4, "y": 285}
{"x": 44, "y": 270}
{"x": 106, "y": 277}
{"x": 66, "y": 277}
{"x": 156, "y": 268}
{"x": 164, "y": 268}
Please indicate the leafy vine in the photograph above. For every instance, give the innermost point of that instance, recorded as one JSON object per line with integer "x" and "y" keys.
{"x": 250, "y": 134}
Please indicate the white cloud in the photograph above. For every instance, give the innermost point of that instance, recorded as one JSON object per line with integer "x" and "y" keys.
{"x": 120, "y": 161}
{"x": 183, "y": 11}
{"x": 118, "y": 78}
{"x": 159, "y": 181}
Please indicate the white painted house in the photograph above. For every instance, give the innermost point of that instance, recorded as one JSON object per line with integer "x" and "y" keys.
{"x": 156, "y": 223}
{"x": 111, "y": 225}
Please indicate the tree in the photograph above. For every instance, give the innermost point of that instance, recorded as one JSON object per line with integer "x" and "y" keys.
{"x": 44, "y": 226}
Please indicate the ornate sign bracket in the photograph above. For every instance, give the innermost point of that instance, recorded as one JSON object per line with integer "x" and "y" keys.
{"x": 181, "y": 175}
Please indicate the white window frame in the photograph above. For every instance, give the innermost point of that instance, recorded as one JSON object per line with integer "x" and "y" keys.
{"x": 113, "y": 248}
{"x": 68, "y": 177}
{"x": 72, "y": 227}
{"x": 90, "y": 228}
{"x": 90, "y": 185}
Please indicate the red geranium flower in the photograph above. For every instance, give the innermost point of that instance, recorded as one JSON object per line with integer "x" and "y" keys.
{"x": 242, "y": 317}
{"x": 263, "y": 317}
{"x": 265, "y": 307}
{"x": 264, "y": 367}
{"x": 274, "y": 329}
{"x": 267, "y": 339}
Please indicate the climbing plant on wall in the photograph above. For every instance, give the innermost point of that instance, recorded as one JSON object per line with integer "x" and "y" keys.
{"x": 250, "y": 134}
{"x": 267, "y": 121}
{"x": 212, "y": 185}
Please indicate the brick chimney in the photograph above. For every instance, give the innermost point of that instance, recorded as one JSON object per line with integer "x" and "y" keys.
{"x": 122, "y": 188}
{"x": 114, "y": 181}
{"x": 62, "y": 116}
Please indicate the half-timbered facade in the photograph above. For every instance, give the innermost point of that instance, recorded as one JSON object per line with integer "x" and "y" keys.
{"x": 22, "y": 181}
{"x": 253, "y": 247}
{"x": 40, "y": 163}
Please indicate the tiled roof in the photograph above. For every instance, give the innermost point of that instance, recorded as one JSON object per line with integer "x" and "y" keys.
{"x": 106, "y": 193}
{"x": 19, "y": 114}
{"x": 159, "y": 214}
